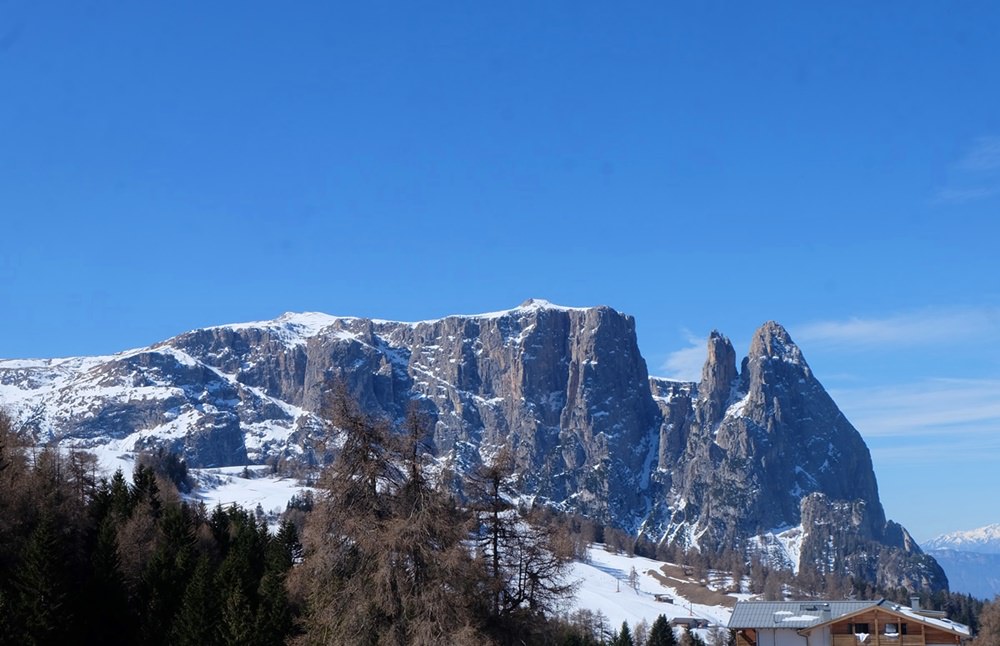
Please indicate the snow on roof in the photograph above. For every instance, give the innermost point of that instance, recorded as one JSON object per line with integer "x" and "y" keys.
{"x": 809, "y": 614}
{"x": 940, "y": 622}
{"x": 791, "y": 614}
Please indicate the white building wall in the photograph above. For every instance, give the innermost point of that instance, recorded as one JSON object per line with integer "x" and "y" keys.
{"x": 821, "y": 637}
{"x": 780, "y": 637}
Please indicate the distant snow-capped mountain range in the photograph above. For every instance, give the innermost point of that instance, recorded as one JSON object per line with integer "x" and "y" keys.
{"x": 971, "y": 559}
{"x": 755, "y": 456}
{"x": 985, "y": 540}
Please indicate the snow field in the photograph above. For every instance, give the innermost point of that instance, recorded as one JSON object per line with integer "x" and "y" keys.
{"x": 604, "y": 586}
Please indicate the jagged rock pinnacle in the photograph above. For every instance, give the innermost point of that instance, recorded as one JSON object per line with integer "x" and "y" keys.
{"x": 717, "y": 377}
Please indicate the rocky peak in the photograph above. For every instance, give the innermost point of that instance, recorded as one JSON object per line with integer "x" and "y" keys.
{"x": 535, "y": 303}
{"x": 717, "y": 377}
{"x": 772, "y": 353}
{"x": 773, "y": 453}
{"x": 772, "y": 340}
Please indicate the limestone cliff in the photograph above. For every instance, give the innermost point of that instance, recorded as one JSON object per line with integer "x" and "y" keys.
{"x": 734, "y": 460}
{"x": 764, "y": 457}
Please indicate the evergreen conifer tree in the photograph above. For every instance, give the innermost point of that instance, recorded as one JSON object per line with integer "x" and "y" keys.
{"x": 661, "y": 633}
{"x": 274, "y": 615}
{"x": 197, "y": 622}
{"x": 119, "y": 499}
{"x": 691, "y": 638}
{"x": 105, "y": 607}
{"x": 145, "y": 489}
{"x": 236, "y": 626}
{"x": 623, "y": 637}
{"x": 287, "y": 540}
{"x": 166, "y": 575}
{"x": 42, "y": 588}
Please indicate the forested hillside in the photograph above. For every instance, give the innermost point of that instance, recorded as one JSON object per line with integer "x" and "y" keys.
{"x": 387, "y": 556}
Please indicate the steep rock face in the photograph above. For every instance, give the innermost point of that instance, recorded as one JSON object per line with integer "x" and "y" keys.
{"x": 739, "y": 457}
{"x": 675, "y": 402}
{"x": 767, "y": 450}
{"x": 718, "y": 377}
{"x": 840, "y": 536}
{"x": 761, "y": 440}
{"x": 565, "y": 388}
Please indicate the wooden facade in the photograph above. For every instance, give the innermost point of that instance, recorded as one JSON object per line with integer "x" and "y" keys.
{"x": 904, "y": 630}
{"x": 907, "y": 630}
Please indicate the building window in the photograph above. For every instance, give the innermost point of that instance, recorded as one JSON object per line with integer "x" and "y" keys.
{"x": 861, "y": 629}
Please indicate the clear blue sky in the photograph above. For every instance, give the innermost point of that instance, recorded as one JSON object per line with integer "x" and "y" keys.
{"x": 165, "y": 166}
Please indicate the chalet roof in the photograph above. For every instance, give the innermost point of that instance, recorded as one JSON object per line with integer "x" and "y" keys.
{"x": 791, "y": 614}
{"x": 810, "y": 614}
{"x": 910, "y": 614}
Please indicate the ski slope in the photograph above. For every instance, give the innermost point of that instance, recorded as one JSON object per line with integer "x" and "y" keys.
{"x": 603, "y": 585}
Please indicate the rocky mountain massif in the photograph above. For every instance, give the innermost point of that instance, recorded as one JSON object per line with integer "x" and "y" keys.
{"x": 971, "y": 559}
{"x": 757, "y": 458}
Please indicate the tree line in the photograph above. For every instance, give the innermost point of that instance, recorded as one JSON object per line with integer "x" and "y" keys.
{"x": 387, "y": 554}
{"x": 89, "y": 560}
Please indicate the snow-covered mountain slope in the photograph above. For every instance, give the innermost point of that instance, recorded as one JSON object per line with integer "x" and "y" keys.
{"x": 985, "y": 540}
{"x": 737, "y": 460}
{"x": 603, "y": 585}
{"x": 146, "y": 398}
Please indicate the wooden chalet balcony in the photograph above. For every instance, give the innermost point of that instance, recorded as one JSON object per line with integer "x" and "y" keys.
{"x": 879, "y": 640}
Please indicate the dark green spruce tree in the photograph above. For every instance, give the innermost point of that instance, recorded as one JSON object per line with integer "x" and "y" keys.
{"x": 197, "y": 621}
{"x": 661, "y": 633}
{"x": 43, "y": 588}
{"x": 107, "y": 617}
{"x": 274, "y": 614}
{"x": 166, "y": 576}
{"x": 623, "y": 637}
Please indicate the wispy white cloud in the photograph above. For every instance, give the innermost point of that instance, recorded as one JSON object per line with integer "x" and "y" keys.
{"x": 958, "y": 195}
{"x": 975, "y": 176}
{"x": 954, "y": 452}
{"x": 915, "y": 328}
{"x": 984, "y": 155}
{"x": 945, "y": 421}
{"x": 924, "y": 435}
{"x": 945, "y": 408}
{"x": 685, "y": 364}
